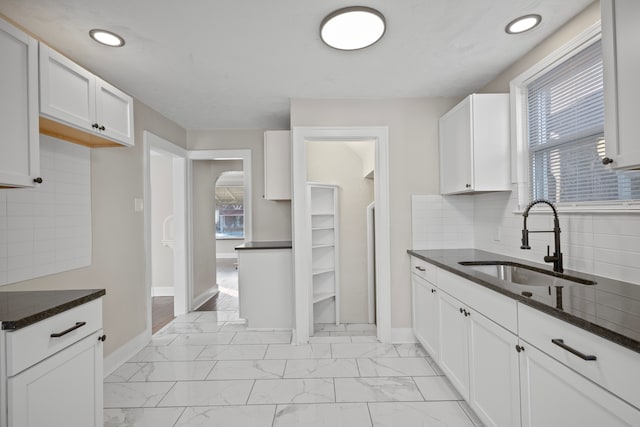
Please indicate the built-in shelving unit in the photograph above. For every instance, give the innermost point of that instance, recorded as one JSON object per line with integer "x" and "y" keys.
{"x": 323, "y": 208}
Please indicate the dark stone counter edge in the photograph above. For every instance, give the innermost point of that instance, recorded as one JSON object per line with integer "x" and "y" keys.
{"x": 45, "y": 314}
{"x": 598, "y": 330}
{"x": 264, "y": 245}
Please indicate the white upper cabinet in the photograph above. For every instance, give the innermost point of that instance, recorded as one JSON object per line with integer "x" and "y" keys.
{"x": 474, "y": 145}
{"x": 277, "y": 165}
{"x": 72, "y": 95}
{"x": 19, "y": 137}
{"x": 620, "y": 39}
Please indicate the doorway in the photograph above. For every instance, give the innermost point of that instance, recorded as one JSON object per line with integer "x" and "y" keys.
{"x": 339, "y": 235}
{"x": 302, "y": 227}
{"x": 165, "y": 196}
{"x": 221, "y": 193}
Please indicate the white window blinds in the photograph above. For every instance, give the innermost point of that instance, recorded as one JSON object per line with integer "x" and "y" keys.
{"x": 565, "y": 128}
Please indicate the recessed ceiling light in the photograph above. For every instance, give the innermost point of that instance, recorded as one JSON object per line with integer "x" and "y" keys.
{"x": 352, "y": 28}
{"x": 107, "y": 38}
{"x": 522, "y": 24}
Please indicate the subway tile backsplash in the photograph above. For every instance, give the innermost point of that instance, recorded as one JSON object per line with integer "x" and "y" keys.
{"x": 47, "y": 229}
{"x": 605, "y": 244}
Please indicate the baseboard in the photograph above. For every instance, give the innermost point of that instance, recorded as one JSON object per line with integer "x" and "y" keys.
{"x": 227, "y": 255}
{"x": 121, "y": 355}
{"x": 162, "y": 291}
{"x": 402, "y": 336}
{"x": 203, "y": 297}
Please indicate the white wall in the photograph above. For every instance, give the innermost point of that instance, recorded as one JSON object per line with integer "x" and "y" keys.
{"x": 47, "y": 229}
{"x": 332, "y": 162}
{"x": 161, "y": 173}
{"x": 413, "y": 163}
{"x": 118, "y": 251}
{"x": 605, "y": 244}
{"x": 271, "y": 219}
{"x": 227, "y": 247}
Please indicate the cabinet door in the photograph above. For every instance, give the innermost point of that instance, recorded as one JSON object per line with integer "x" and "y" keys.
{"x": 425, "y": 314}
{"x": 114, "y": 110}
{"x": 494, "y": 389}
{"x": 453, "y": 341}
{"x": 19, "y": 137}
{"x": 277, "y": 165}
{"x": 455, "y": 149}
{"x": 67, "y": 91}
{"x": 620, "y": 35}
{"x": 62, "y": 390}
{"x": 554, "y": 395}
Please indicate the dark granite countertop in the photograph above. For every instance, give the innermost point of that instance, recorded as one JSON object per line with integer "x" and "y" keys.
{"x": 284, "y": 244}
{"x": 20, "y": 309}
{"x": 609, "y": 309}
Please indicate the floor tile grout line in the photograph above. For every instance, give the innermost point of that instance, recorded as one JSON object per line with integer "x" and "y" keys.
{"x": 418, "y": 388}
{"x": 180, "y": 416}
{"x": 250, "y": 391}
{"x": 370, "y": 416}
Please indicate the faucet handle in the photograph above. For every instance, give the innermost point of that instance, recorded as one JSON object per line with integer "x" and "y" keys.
{"x": 525, "y": 239}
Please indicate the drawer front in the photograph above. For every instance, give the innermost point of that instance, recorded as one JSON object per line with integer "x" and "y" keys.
{"x": 615, "y": 368}
{"x": 30, "y": 345}
{"x": 499, "y": 308}
{"x": 424, "y": 269}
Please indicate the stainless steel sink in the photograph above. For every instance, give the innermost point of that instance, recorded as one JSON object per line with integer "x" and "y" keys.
{"x": 523, "y": 275}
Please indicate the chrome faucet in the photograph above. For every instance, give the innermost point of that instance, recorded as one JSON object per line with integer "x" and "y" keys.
{"x": 556, "y": 259}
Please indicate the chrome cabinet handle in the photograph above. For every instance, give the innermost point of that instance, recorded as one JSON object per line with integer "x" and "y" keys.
{"x": 66, "y": 331}
{"x": 560, "y": 343}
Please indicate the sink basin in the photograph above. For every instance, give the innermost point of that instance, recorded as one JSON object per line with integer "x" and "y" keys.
{"x": 522, "y": 274}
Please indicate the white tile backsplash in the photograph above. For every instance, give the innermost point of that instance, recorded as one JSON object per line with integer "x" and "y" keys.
{"x": 442, "y": 222}
{"x": 47, "y": 229}
{"x": 605, "y": 244}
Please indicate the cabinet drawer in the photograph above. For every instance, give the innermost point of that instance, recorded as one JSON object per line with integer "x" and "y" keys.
{"x": 615, "y": 367}
{"x": 499, "y": 308}
{"x": 424, "y": 269}
{"x": 30, "y": 345}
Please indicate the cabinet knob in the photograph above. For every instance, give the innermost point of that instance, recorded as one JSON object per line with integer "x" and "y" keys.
{"x": 37, "y": 180}
{"x": 607, "y": 160}
{"x": 433, "y": 291}
{"x": 468, "y": 185}
{"x": 102, "y": 128}
{"x": 95, "y": 125}
{"x": 519, "y": 348}
{"x": 102, "y": 338}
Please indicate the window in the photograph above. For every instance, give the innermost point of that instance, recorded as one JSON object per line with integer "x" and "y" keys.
{"x": 229, "y": 214}
{"x": 564, "y": 110}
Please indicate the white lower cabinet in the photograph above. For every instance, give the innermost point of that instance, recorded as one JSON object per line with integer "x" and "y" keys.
{"x": 494, "y": 388}
{"x": 63, "y": 390}
{"x": 513, "y": 372}
{"x": 480, "y": 359}
{"x": 425, "y": 313}
{"x": 454, "y": 343}
{"x": 556, "y": 396}
{"x": 52, "y": 373}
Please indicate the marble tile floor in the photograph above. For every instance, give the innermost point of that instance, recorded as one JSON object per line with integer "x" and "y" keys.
{"x": 205, "y": 369}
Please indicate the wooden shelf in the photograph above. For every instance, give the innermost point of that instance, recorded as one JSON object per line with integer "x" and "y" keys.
{"x": 67, "y": 133}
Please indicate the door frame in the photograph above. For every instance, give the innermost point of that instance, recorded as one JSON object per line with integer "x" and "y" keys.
{"x": 181, "y": 204}
{"x": 301, "y": 227}
{"x": 245, "y": 156}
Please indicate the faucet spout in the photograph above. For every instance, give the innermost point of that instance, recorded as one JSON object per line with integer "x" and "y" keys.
{"x": 556, "y": 258}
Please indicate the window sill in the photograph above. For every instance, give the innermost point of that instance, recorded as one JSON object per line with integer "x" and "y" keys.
{"x": 619, "y": 208}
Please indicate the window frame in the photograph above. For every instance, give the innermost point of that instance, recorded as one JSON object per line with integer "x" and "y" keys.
{"x": 519, "y": 137}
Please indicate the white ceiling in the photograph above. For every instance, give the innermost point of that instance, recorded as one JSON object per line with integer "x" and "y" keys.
{"x": 211, "y": 64}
